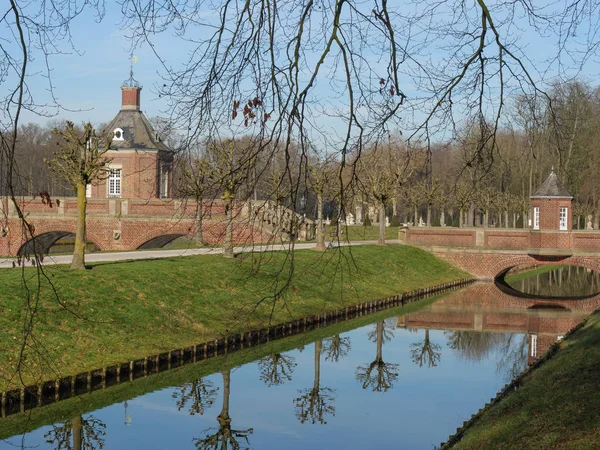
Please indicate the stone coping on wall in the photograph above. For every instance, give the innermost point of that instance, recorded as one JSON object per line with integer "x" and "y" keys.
{"x": 529, "y": 251}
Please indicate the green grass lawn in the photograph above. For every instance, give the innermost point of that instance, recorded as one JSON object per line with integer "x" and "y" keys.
{"x": 557, "y": 407}
{"x": 121, "y": 311}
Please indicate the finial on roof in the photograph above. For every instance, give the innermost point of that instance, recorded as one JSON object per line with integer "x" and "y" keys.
{"x": 552, "y": 168}
{"x": 131, "y": 82}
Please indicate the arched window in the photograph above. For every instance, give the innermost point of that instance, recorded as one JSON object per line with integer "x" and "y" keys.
{"x": 118, "y": 134}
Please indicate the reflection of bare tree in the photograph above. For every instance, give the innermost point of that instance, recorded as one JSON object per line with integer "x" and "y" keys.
{"x": 200, "y": 393}
{"x": 316, "y": 403}
{"x": 426, "y": 352}
{"x": 513, "y": 356}
{"x": 77, "y": 434}
{"x": 378, "y": 375}
{"x": 560, "y": 282}
{"x": 225, "y": 437}
{"x": 336, "y": 347}
{"x": 474, "y": 346}
{"x": 276, "y": 369}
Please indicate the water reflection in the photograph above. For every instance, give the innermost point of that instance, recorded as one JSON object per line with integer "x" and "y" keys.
{"x": 276, "y": 369}
{"x": 336, "y": 348}
{"x": 442, "y": 362}
{"x": 196, "y": 396}
{"x": 475, "y": 346}
{"x": 225, "y": 437}
{"x": 425, "y": 352}
{"x": 554, "y": 281}
{"x": 318, "y": 402}
{"x": 77, "y": 434}
{"x": 378, "y": 375}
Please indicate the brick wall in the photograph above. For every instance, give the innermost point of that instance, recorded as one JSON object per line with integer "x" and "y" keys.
{"x": 457, "y": 237}
{"x": 509, "y": 239}
{"x": 550, "y": 212}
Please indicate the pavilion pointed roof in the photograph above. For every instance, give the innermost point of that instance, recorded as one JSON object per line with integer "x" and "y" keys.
{"x": 552, "y": 188}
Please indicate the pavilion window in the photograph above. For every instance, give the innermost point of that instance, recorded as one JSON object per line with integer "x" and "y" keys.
{"x": 536, "y": 217}
{"x": 114, "y": 183}
{"x": 563, "y": 218}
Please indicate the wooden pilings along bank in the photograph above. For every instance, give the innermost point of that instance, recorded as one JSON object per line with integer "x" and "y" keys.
{"x": 20, "y": 400}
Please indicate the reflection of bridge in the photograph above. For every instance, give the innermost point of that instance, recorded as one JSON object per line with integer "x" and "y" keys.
{"x": 487, "y": 252}
{"x": 482, "y": 307}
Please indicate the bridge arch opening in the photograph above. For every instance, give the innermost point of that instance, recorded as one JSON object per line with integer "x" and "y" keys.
{"x": 549, "y": 281}
{"x": 160, "y": 241}
{"x": 53, "y": 242}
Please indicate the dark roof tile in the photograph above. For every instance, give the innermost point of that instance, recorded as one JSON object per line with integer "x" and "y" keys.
{"x": 552, "y": 187}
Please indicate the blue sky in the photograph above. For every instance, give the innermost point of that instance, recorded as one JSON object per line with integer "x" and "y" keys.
{"x": 87, "y": 81}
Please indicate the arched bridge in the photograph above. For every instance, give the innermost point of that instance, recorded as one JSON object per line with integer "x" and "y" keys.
{"x": 123, "y": 224}
{"x": 486, "y": 252}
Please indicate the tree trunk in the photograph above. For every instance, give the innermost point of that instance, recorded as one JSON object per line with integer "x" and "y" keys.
{"x": 416, "y": 221}
{"x": 428, "y": 214}
{"x": 381, "y": 240}
{"x": 486, "y": 221}
{"x": 320, "y": 232}
{"x": 379, "y": 329}
{"x": 514, "y": 220}
{"x": 199, "y": 217}
{"x": 228, "y": 247}
{"x": 79, "y": 252}
{"x": 460, "y": 218}
{"x": 442, "y": 217}
{"x": 317, "y": 380}
{"x": 76, "y": 426}
{"x": 223, "y": 417}
{"x": 505, "y": 219}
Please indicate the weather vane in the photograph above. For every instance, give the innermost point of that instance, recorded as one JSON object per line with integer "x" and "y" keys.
{"x": 131, "y": 82}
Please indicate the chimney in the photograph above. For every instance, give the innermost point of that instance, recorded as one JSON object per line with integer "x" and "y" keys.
{"x": 130, "y": 97}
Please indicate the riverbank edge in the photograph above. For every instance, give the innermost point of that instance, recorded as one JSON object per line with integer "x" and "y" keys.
{"x": 513, "y": 386}
{"x": 52, "y": 391}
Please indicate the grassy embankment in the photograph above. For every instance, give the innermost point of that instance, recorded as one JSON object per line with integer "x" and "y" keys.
{"x": 121, "y": 311}
{"x": 556, "y": 407}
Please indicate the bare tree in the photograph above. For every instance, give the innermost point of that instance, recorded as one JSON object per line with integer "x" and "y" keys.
{"x": 196, "y": 182}
{"x": 80, "y": 161}
{"x": 232, "y": 166}
{"x": 379, "y": 172}
{"x": 321, "y": 181}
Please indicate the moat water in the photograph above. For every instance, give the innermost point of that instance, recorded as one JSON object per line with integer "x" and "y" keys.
{"x": 404, "y": 380}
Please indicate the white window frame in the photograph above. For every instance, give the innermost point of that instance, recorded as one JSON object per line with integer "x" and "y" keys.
{"x": 88, "y": 190}
{"x": 534, "y": 346}
{"x": 564, "y": 218}
{"x": 118, "y": 134}
{"x": 114, "y": 183}
{"x": 536, "y": 217}
{"x": 163, "y": 188}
